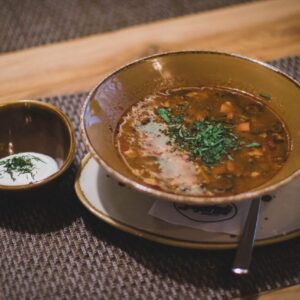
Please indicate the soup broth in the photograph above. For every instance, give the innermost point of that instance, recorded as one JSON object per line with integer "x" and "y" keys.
{"x": 202, "y": 141}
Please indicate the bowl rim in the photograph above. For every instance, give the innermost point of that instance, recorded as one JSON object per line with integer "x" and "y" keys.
{"x": 71, "y": 151}
{"x": 163, "y": 195}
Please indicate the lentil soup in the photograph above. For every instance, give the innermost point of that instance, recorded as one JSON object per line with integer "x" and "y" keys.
{"x": 203, "y": 141}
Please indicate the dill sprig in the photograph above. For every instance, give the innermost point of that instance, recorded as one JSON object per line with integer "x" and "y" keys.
{"x": 20, "y": 164}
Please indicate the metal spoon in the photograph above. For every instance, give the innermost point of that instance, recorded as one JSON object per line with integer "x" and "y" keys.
{"x": 244, "y": 252}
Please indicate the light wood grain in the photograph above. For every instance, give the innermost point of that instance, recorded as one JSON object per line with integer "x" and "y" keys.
{"x": 265, "y": 30}
{"x": 289, "y": 293}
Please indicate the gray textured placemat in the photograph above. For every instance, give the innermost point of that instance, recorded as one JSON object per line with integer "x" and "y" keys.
{"x": 28, "y": 23}
{"x": 51, "y": 247}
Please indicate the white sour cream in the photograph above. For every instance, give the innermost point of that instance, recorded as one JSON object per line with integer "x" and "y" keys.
{"x": 42, "y": 167}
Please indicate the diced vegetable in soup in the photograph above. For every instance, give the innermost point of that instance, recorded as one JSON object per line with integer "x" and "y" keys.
{"x": 202, "y": 141}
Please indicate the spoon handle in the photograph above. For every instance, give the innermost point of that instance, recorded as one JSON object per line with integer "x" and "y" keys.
{"x": 243, "y": 255}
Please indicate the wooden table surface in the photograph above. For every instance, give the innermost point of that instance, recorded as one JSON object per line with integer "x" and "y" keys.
{"x": 265, "y": 30}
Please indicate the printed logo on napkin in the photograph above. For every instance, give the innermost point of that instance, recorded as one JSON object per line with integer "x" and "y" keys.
{"x": 207, "y": 214}
{"x": 228, "y": 218}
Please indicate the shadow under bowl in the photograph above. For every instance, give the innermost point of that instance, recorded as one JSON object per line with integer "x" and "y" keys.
{"x": 113, "y": 96}
{"x": 34, "y": 126}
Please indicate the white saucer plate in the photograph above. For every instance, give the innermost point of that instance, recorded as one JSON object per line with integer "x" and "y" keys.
{"x": 127, "y": 210}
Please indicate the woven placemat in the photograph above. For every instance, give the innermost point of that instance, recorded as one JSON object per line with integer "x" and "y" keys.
{"x": 53, "y": 248}
{"x": 28, "y": 23}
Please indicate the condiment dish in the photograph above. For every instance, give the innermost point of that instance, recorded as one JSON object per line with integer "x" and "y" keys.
{"x": 113, "y": 96}
{"x": 36, "y": 127}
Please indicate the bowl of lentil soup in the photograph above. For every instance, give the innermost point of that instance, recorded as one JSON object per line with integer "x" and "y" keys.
{"x": 196, "y": 127}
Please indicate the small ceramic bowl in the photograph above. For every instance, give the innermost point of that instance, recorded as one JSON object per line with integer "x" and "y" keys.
{"x": 34, "y": 126}
{"x": 113, "y": 96}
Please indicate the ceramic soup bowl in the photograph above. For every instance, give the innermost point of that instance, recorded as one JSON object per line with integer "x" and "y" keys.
{"x": 114, "y": 95}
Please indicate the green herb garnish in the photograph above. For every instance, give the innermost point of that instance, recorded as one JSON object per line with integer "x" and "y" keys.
{"x": 253, "y": 145}
{"x": 230, "y": 157}
{"x": 20, "y": 164}
{"x": 208, "y": 140}
{"x": 211, "y": 141}
{"x": 164, "y": 113}
{"x": 265, "y": 96}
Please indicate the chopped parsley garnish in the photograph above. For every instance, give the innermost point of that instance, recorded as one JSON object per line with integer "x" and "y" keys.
{"x": 208, "y": 140}
{"x": 168, "y": 117}
{"x": 211, "y": 141}
{"x": 20, "y": 164}
{"x": 253, "y": 145}
{"x": 265, "y": 96}
{"x": 230, "y": 157}
{"x": 165, "y": 114}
